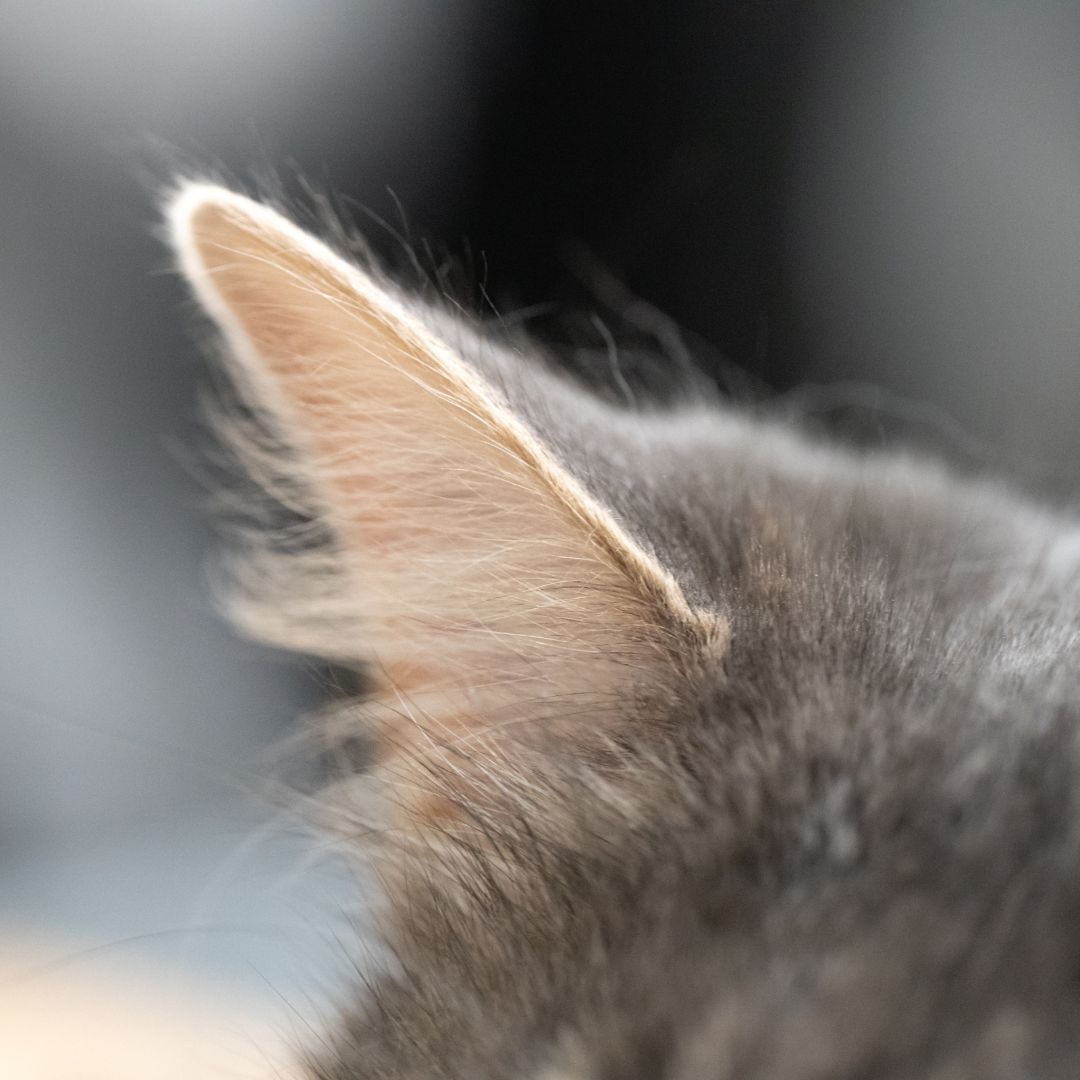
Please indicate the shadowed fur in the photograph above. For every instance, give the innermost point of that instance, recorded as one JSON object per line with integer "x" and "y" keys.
{"x": 723, "y": 754}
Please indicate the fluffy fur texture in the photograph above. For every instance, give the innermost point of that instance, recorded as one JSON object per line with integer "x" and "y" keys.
{"x": 705, "y": 752}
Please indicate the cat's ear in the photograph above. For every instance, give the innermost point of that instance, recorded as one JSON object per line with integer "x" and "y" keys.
{"x": 487, "y": 575}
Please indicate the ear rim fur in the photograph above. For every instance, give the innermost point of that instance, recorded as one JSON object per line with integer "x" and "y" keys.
{"x": 195, "y": 207}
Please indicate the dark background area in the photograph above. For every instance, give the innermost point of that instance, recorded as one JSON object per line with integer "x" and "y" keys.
{"x": 871, "y": 209}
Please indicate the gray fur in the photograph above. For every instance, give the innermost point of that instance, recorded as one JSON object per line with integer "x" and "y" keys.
{"x": 845, "y": 850}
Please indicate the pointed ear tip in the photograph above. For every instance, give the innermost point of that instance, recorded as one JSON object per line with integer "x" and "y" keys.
{"x": 227, "y": 245}
{"x": 193, "y": 207}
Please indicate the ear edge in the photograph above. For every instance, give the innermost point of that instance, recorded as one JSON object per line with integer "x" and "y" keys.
{"x": 193, "y": 211}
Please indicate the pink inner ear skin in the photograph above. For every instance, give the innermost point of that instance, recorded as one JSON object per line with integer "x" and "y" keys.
{"x": 489, "y": 586}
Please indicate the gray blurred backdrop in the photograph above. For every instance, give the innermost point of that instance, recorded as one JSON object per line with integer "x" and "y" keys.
{"x": 881, "y": 196}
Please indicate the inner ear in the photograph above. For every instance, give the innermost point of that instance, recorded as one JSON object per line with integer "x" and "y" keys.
{"x": 486, "y": 575}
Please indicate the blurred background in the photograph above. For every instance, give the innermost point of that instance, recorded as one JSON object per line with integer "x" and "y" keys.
{"x": 869, "y": 210}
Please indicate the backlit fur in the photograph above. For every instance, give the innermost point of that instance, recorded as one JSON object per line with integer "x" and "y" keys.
{"x": 725, "y": 755}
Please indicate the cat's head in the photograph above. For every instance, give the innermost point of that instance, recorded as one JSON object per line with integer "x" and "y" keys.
{"x": 703, "y": 752}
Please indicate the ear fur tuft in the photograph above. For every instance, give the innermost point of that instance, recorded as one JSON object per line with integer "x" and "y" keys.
{"x": 492, "y": 586}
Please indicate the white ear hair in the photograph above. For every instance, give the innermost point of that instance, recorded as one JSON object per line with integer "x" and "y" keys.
{"x": 486, "y": 573}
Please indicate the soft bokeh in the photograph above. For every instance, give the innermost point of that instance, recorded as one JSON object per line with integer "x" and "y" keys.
{"x": 879, "y": 196}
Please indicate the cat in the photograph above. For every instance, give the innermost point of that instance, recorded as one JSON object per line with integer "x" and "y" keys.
{"x": 702, "y": 749}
